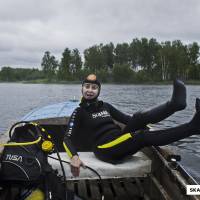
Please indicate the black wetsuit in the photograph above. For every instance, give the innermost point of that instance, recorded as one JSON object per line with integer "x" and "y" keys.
{"x": 92, "y": 127}
{"x": 91, "y": 122}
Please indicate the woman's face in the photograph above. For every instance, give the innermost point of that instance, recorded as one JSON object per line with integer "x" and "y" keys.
{"x": 90, "y": 90}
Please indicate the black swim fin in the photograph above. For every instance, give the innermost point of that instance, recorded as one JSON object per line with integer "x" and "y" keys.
{"x": 177, "y": 102}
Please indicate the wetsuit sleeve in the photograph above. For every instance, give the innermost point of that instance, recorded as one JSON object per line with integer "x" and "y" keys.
{"x": 118, "y": 115}
{"x": 73, "y": 124}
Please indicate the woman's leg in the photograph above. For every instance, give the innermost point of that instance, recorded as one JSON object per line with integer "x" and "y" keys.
{"x": 129, "y": 143}
{"x": 164, "y": 137}
{"x": 154, "y": 115}
{"x": 114, "y": 153}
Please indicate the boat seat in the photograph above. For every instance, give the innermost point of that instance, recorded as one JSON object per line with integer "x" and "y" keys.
{"x": 138, "y": 165}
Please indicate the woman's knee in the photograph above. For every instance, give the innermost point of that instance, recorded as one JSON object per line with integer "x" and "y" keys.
{"x": 136, "y": 122}
{"x": 104, "y": 155}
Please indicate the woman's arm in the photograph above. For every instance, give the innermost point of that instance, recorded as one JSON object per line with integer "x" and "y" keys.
{"x": 75, "y": 165}
{"x": 118, "y": 115}
{"x": 73, "y": 124}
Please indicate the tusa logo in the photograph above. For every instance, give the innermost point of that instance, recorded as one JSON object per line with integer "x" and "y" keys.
{"x": 100, "y": 114}
{"x": 14, "y": 157}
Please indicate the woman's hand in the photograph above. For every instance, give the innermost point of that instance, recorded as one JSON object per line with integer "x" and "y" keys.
{"x": 75, "y": 165}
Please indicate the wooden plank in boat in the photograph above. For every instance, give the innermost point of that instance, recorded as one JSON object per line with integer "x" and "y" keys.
{"x": 107, "y": 190}
{"x": 140, "y": 186}
{"x": 70, "y": 185}
{"x": 119, "y": 190}
{"x": 82, "y": 189}
{"x": 131, "y": 188}
{"x": 95, "y": 189}
{"x": 158, "y": 190}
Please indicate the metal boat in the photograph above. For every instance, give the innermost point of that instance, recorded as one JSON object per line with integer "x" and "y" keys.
{"x": 154, "y": 173}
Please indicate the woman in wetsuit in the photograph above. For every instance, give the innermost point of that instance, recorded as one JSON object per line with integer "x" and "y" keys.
{"x": 92, "y": 127}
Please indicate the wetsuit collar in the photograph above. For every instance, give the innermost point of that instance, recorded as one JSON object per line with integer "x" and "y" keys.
{"x": 92, "y": 102}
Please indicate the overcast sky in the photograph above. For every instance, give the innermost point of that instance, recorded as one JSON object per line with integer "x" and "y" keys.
{"x": 28, "y": 28}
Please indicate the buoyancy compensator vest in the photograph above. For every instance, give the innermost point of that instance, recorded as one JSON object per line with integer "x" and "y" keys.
{"x": 25, "y": 163}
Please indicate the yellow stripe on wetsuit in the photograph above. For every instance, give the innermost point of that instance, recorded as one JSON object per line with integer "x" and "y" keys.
{"x": 116, "y": 141}
{"x": 67, "y": 150}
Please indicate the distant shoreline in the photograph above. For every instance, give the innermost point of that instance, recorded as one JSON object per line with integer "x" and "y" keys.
{"x": 189, "y": 82}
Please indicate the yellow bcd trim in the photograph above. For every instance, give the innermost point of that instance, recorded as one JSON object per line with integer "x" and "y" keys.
{"x": 22, "y": 143}
{"x": 43, "y": 129}
{"x": 116, "y": 141}
{"x": 67, "y": 150}
{"x": 34, "y": 123}
{"x": 49, "y": 136}
{"x": 47, "y": 146}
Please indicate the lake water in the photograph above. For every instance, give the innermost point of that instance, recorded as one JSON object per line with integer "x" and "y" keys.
{"x": 16, "y": 100}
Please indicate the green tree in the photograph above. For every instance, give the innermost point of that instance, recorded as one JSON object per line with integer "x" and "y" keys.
{"x": 93, "y": 58}
{"x": 49, "y": 65}
{"x": 143, "y": 52}
{"x": 6, "y": 74}
{"x": 122, "y": 53}
{"x": 173, "y": 60}
{"x": 134, "y": 53}
{"x": 194, "y": 67}
{"x": 64, "y": 67}
{"x": 107, "y": 52}
{"x": 178, "y": 60}
{"x": 76, "y": 61}
{"x": 193, "y": 53}
{"x": 148, "y": 54}
{"x": 123, "y": 73}
{"x": 163, "y": 60}
{"x": 20, "y": 74}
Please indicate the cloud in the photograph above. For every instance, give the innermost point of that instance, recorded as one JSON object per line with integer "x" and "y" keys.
{"x": 29, "y": 28}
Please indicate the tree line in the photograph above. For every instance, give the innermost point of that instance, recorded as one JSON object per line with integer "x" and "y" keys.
{"x": 9, "y": 74}
{"x": 138, "y": 61}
